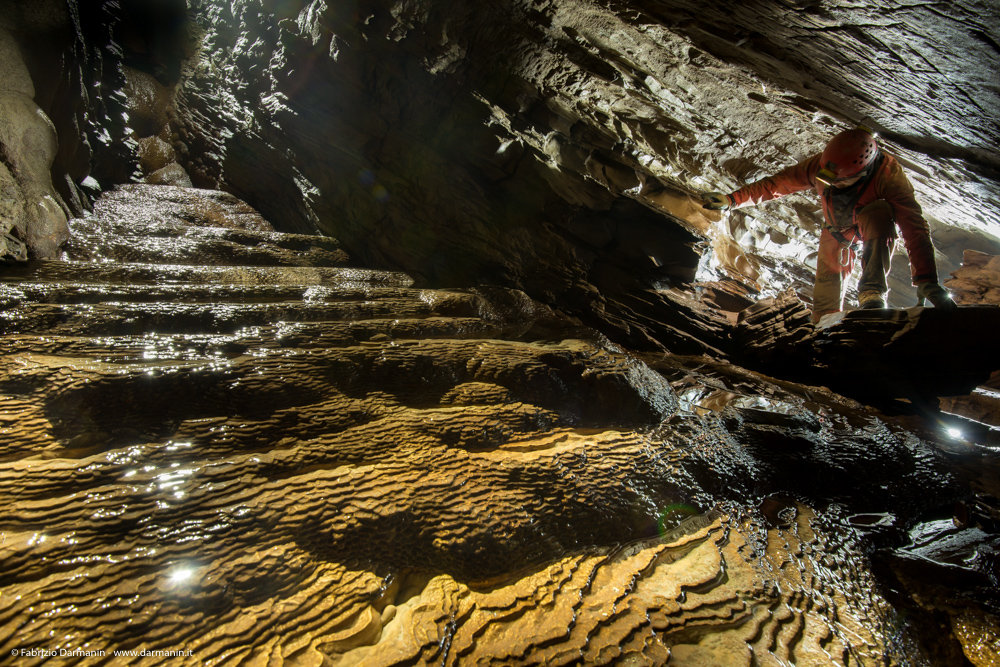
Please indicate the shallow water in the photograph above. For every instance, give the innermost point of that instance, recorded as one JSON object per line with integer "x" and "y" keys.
{"x": 284, "y": 463}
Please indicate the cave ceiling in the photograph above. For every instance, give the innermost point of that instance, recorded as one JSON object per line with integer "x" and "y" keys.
{"x": 555, "y": 146}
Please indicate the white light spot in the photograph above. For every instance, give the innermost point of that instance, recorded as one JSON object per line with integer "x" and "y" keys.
{"x": 180, "y": 576}
{"x": 955, "y": 433}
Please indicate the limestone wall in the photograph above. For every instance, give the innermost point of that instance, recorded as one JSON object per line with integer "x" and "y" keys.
{"x": 32, "y": 214}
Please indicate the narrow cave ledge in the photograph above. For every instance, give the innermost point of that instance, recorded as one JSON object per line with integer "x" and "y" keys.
{"x": 379, "y": 332}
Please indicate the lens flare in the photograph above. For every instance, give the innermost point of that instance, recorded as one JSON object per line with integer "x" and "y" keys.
{"x": 366, "y": 178}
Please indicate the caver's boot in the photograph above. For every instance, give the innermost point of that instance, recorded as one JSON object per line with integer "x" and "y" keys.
{"x": 878, "y": 230}
{"x": 875, "y": 257}
{"x": 871, "y": 299}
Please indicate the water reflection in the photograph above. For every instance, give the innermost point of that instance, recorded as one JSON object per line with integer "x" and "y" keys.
{"x": 181, "y": 575}
{"x": 358, "y": 470}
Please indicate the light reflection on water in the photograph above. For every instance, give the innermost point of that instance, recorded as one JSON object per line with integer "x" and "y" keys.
{"x": 287, "y": 495}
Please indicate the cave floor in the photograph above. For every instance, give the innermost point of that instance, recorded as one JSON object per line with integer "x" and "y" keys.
{"x": 231, "y": 447}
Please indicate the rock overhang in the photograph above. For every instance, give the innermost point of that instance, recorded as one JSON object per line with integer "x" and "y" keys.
{"x": 453, "y": 142}
{"x": 536, "y": 144}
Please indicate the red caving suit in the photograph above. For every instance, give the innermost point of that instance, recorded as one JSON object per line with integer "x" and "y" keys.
{"x": 889, "y": 184}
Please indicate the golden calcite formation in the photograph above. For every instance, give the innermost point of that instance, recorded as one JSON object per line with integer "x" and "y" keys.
{"x": 701, "y": 595}
{"x": 268, "y": 463}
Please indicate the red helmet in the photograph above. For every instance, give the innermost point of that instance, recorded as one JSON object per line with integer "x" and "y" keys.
{"x": 849, "y": 153}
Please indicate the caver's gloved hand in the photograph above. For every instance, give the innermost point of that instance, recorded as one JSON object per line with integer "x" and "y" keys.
{"x": 937, "y": 295}
{"x": 716, "y": 201}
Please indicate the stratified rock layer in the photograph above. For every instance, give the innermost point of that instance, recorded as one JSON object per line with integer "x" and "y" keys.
{"x": 876, "y": 356}
{"x": 559, "y": 147}
{"x": 977, "y": 281}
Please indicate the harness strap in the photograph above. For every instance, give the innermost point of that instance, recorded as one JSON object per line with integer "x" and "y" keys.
{"x": 859, "y": 189}
{"x": 846, "y": 246}
{"x": 842, "y": 240}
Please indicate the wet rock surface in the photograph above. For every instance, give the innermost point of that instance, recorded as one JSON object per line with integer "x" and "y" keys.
{"x": 142, "y": 206}
{"x": 874, "y": 356}
{"x": 526, "y": 402}
{"x": 977, "y": 282}
{"x": 322, "y": 463}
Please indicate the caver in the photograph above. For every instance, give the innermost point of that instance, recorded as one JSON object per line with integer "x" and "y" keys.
{"x": 867, "y": 202}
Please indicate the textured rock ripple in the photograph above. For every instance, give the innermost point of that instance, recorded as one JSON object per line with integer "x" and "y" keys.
{"x": 288, "y": 465}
